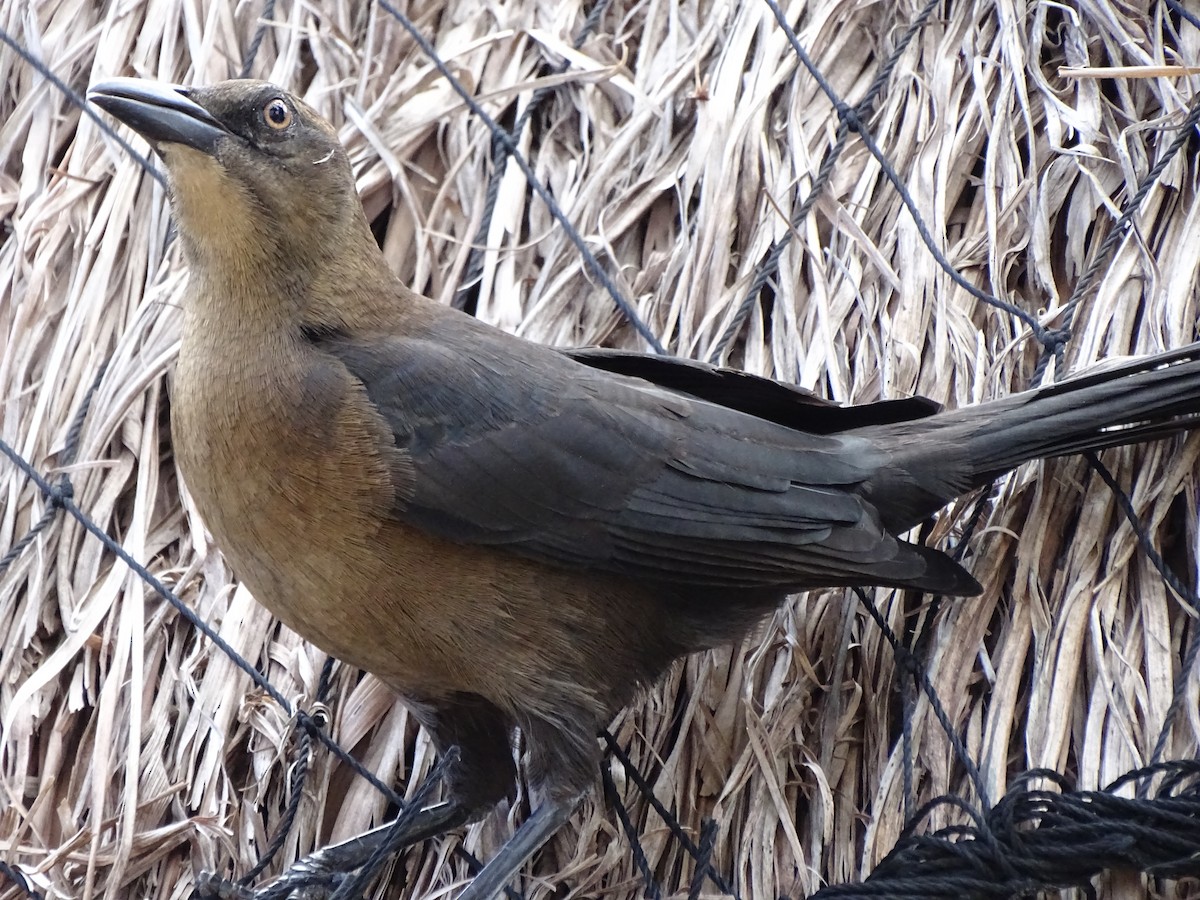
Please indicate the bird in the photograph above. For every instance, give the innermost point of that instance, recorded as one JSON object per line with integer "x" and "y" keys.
{"x": 514, "y": 536}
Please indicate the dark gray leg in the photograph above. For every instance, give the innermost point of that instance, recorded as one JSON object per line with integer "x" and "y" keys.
{"x": 481, "y": 775}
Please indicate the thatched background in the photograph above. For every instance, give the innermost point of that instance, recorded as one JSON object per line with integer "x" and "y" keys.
{"x": 679, "y": 141}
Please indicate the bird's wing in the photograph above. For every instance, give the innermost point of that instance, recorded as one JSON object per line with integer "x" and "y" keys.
{"x": 513, "y": 445}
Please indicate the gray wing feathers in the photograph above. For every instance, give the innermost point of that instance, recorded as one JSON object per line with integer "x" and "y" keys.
{"x": 560, "y": 462}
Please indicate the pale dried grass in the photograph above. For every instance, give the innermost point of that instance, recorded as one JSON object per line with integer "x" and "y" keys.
{"x": 677, "y": 141}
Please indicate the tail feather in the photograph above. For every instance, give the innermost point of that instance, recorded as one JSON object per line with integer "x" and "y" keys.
{"x": 938, "y": 458}
{"x": 1143, "y": 400}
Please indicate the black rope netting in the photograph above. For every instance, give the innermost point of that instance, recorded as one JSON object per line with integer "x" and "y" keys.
{"x": 1037, "y": 840}
{"x": 1041, "y": 835}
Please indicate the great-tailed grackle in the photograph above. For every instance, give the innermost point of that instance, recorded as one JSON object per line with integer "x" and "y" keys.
{"x": 510, "y": 535}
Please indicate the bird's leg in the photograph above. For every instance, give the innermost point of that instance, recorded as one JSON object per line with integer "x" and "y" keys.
{"x": 328, "y": 864}
{"x": 472, "y": 736}
{"x": 534, "y": 832}
{"x": 319, "y": 874}
{"x": 561, "y": 767}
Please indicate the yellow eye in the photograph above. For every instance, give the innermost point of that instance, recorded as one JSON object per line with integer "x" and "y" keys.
{"x": 277, "y": 113}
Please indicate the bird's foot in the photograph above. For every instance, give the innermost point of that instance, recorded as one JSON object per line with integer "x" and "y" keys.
{"x": 211, "y": 886}
{"x": 331, "y": 873}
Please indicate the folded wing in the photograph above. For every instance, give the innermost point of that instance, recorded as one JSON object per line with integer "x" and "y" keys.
{"x": 524, "y": 448}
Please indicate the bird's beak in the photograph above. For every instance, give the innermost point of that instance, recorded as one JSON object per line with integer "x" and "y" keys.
{"x": 161, "y": 113}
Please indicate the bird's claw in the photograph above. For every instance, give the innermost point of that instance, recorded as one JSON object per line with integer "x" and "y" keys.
{"x": 300, "y": 882}
{"x": 211, "y": 886}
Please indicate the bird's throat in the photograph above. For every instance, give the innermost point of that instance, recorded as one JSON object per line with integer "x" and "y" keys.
{"x": 222, "y": 225}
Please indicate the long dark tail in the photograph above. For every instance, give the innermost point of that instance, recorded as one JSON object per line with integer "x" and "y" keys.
{"x": 948, "y": 454}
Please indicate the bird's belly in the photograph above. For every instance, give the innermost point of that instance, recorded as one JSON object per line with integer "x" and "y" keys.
{"x": 428, "y": 616}
{"x": 331, "y": 571}
{"x": 432, "y": 618}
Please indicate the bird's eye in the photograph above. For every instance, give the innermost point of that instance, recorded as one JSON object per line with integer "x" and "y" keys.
{"x": 277, "y": 113}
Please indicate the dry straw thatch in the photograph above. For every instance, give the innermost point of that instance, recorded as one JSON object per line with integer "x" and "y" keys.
{"x": 679, "y": 141}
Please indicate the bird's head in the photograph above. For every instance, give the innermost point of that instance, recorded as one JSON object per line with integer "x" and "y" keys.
{"x": 256, "y": 174}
